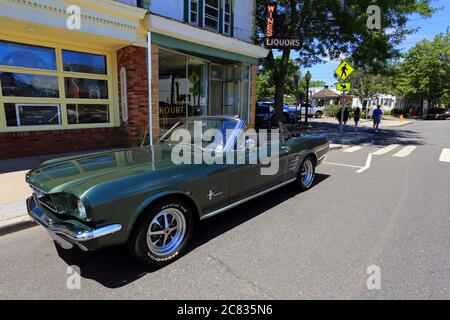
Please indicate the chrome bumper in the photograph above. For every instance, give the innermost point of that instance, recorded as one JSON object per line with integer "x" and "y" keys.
{"x": 73, "y": 232}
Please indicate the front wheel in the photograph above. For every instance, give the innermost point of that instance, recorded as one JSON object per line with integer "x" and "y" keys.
{"x": 306, "y": 175}
{"x": 162, "y": 233}
{"x": 318, "y": 114}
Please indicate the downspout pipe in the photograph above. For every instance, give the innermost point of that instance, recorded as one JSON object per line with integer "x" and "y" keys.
{"x": 149, "y": 66}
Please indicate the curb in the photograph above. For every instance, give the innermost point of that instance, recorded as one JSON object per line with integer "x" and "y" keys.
{"x": 16, "y": 224}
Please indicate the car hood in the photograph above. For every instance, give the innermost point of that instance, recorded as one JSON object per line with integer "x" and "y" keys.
{"x": 61, "y": 174}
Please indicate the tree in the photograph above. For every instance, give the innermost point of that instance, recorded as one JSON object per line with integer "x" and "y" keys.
{"x": 265, "y": 84}
{"x": 367, "y": 86}
{"x": 332, "y": 28}
{"x": 425, "y": 71}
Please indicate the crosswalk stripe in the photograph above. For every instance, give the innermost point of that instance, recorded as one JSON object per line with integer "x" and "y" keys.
{"x": 445, "y": 155}
{"x": 353, "y": 149}
{"x": 406, "y": 151}
{"x": 386, "y": 149}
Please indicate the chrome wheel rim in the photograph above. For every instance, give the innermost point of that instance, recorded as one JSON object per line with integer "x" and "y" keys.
{"x": 166, "y": 232}
{"x": 307, "y": 173}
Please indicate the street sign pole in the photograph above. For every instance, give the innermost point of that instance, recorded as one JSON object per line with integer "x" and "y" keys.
{"x": 341, "y": 129}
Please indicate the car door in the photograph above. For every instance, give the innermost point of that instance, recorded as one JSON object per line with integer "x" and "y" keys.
{"x": 249, "y": 176}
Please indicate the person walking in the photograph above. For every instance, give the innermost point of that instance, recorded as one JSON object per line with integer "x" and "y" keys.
{"x": 377, "y": 114}
{"x": 339, "y": 115}
{"x": 356, "y": 117}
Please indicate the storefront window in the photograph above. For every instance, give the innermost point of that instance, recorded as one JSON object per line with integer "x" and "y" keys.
{"x": 26, "y": 56}
{"x": 197, "y": 87}
{"x": 34, "y": 91}
{"x": 28, "y": 85}
{"x": 86, "y": 88}
{"x": 183, "y": 87}
{"x": 87, "y": 113}
{"x": 32, "y": 114}
{"x": 83, "y": 62}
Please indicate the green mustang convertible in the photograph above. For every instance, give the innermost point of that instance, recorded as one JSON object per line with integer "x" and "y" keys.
{"x": 142, "y": 197}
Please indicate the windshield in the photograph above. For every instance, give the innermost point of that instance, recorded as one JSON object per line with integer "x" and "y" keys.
{"x": 211, "y": 133}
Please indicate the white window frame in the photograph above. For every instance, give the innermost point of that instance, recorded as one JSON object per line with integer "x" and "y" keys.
{"x": 230, "y": 14}
{"x": 219, "y": 2}
{"x": 190, "y": 11}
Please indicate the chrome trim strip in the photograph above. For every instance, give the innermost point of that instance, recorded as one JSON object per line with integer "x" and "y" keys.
{"x": 235, "y": 204}
{"x": 73, "y": 232}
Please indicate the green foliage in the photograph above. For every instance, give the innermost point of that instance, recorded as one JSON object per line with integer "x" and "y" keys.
{"x": 396, "y": 112}
{"x": 331, "y": 110}
{"x": 425, "y": 71}
{"x": 331, "y": 28}
{"x": 265, "y": 84}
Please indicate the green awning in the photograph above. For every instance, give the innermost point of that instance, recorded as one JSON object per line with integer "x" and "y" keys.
{"x": 200, "y": 50}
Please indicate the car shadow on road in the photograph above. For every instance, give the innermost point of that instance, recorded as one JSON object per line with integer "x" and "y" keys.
{"x": 114, "y": 267}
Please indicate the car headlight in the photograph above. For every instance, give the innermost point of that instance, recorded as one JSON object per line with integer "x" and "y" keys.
{"x": 81, "y": 210}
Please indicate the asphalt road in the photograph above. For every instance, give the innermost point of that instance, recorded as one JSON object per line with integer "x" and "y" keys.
{"x": 285, "y": 245}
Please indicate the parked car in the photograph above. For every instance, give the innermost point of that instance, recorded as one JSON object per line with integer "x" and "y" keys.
{"x": 265, "y": 116}
{"x": 436, "y": 114}
{"x": 290, "y": 114}
{"x": 316, "y": 112}
{"x": 140, "y": 197}
{"x": 447, "y": 113}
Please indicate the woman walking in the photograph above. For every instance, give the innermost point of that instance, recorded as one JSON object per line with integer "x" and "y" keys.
{"x": 356, "y": 117}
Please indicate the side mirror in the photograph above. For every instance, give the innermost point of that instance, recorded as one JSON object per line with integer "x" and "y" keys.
{"x": 250, "y": 143}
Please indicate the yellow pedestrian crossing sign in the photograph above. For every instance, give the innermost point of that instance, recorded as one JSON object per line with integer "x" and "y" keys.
{"x": 343, "y": 86}
{"x": 344, "y": 70}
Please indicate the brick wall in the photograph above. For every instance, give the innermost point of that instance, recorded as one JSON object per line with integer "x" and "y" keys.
{"x": 252, "y": 113}
{"x": 134, "y": 59}
{"x": 21, "y": 144}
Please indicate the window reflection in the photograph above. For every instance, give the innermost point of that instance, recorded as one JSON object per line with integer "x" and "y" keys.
{"x": 80, "y": 88}
{"x": 32, "y": 114}
{"x": 83, "y": 62}
{"x": 26, "y": 56}
{"x": 28, "y": 85}
{"x": 88, "y": 113}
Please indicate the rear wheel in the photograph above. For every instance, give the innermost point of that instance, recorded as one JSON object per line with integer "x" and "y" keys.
{"x": 163, "y": 233}
{"x": 318, "y": 114}
{"x": 307, "y": 173}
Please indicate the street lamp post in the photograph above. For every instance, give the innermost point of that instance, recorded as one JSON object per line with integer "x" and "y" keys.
{"x": 308, "y": 77}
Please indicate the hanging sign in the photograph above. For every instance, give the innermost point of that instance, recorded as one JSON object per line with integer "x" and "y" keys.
{"x": 273, "y": 40}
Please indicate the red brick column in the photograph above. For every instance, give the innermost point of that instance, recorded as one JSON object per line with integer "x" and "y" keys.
{"x": 134, "y": 59}
{"x": 252, "y": 112}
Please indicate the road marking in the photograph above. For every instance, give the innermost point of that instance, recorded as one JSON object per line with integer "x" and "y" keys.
{"x": 406, "y": 151}
{"x": 342, "y": 165}
{"x": 353, "y": 149}
{"x": 367, "y": 166}
{"x": 445, "y": 155}
{"x": 386, "y": 149}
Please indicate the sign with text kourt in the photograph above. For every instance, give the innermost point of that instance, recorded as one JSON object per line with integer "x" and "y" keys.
{"x": 274, "y": 25}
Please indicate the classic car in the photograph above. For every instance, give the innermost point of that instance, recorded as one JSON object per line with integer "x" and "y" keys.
{"x": 140, "y": 197}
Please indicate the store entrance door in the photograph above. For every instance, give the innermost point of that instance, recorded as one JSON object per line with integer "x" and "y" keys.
{"x": 231, "y": 97}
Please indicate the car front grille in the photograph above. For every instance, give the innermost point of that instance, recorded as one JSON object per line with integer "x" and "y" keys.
{"x": 44, "y": 200}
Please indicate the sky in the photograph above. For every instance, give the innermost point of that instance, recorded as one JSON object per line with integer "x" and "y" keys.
{"x": 428, "y": 28}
